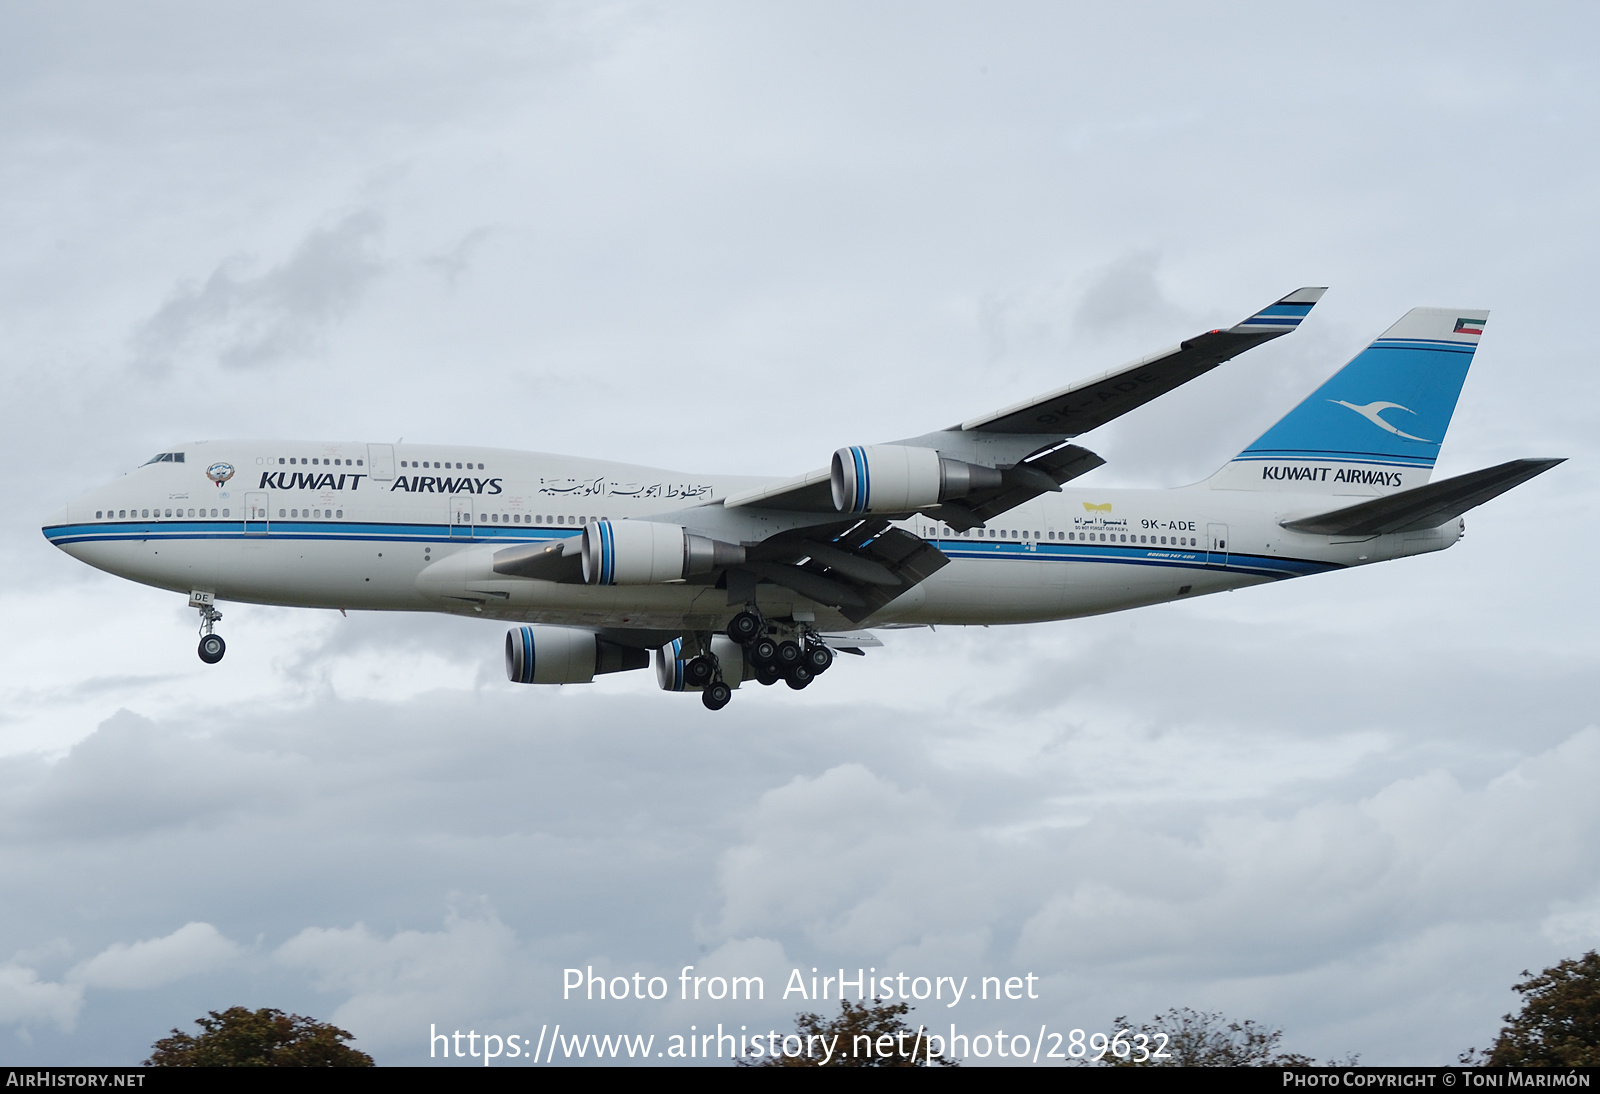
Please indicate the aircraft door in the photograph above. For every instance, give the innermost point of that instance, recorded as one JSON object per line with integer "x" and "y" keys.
{"x": 1216, "y": 545}
{"x": 256, "y": 512}
{"x": 461, "y": 515}
{"x": 380, "y": 462}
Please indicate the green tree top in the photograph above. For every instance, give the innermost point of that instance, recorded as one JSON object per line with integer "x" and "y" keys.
{"x": 1191, "y": 1038}
{"x": 1560, "y": 1021}
{"x": 238, "y": 1037}
{"x": 858, "y": 1028}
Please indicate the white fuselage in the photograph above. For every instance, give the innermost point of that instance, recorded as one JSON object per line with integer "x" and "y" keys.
{"x": 414, "y": 528}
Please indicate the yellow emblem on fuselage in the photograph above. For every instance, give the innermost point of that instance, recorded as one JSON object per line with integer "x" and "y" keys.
{"x": 1103, "y": 507}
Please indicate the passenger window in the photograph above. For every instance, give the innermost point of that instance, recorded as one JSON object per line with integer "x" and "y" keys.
{"x": 359, "y": 463}
{"x": 280, "y": 512}
{"x": 340, "y": 513}
{"x": 97, "y": 513}
{"x": 214, "y": 512}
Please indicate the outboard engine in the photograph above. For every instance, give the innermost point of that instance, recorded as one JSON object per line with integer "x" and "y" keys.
{"x": 537, "y": 654}
{"x": 642, "y": 552}
{"x": 884, "y": 478}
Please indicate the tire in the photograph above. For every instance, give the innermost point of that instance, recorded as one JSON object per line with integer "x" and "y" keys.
{"x": 766, "y": 675}
{"x": 763, "y": 651}
{"x": 744, "y": 628}
{"x": 799, "y": 676}
{"x": 697, "y": 671}
{"x": 716, "y": 696}
{"x": 818, "y": 658}
{"x": 789, "y": 655}
{"x": 212, "y": 647}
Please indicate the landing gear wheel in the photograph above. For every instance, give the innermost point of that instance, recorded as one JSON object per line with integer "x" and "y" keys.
{"x": 799, "y": 676}
{"x": 789, "y": 655}
{"x": 744, "y": 627}
{"x": 763, "y": 651}
{"x": 697, "y": 671}
{"x": 767, "y": 675}
{"x": 818, "y": 658}
{"x": 212, "y": 647}
{"x": 716, "y": 696}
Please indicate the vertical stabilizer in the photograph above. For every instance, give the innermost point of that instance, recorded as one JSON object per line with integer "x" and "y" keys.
{"x": 1376, "y": 426}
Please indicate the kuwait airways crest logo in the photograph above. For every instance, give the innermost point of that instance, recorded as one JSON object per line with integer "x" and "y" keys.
{"x": 219, "y": 473}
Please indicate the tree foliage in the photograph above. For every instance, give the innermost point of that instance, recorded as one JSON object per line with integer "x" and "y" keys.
{"x": 1192, "y": 1038}
{"x": 1559, "y": 1025}
{"x": 238, "y": 1037}
{"x": 858, "y": 1029}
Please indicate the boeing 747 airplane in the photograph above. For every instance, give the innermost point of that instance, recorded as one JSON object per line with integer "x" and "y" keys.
{"x": 596, "y": 565}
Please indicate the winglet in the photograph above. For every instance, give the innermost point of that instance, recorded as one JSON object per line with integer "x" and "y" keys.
{"x": 1284, "y": 315}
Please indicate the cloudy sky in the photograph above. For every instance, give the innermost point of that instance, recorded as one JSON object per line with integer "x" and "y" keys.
{"x": 732, "y": 237}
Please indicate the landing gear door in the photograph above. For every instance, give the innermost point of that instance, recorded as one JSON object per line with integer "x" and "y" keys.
{"x": 1216, "y": 545}
{"x": 256, "y": 512}
{"x": 461, "y": 516}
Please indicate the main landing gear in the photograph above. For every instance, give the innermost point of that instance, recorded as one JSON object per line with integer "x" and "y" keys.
{"x": 794, "y": 655}
{"x": 788, "y": 650}
{"x": 212, "y": 647}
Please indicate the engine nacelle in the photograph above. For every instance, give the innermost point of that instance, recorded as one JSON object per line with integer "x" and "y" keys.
{"x": 642, "y": 552}
{"x": 884, "y": 478}
{"x": 670, "y": 662}
{"x": 565, "y": 655}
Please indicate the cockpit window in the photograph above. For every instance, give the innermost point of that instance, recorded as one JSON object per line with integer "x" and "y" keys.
{"x": 164, "y": 457}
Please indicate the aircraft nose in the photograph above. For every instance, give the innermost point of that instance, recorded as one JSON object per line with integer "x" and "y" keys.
{"x": 55, "y": 520}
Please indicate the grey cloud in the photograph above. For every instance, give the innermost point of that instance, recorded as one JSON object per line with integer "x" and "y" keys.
{"x": 252, "y": 320}
{"x": 1125, "y": 294}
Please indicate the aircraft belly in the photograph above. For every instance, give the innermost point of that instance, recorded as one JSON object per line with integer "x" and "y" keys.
{"x": 993, "y": 591}
{"x": 312, "y": 573}
{"x": 180, "y": 565}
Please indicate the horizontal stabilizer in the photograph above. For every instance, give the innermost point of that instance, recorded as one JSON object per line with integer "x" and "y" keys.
{"x": 1423, "y": 506}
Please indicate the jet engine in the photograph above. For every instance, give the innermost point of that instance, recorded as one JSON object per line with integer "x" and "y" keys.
{"x": 641, "y": 552}
{"x": 886, "y": 478}
{"x": 671, "y": 664}
{"x": 565, "y": 655}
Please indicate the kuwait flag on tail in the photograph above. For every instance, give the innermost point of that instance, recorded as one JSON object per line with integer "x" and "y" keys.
{"x": 1469, "y": 326}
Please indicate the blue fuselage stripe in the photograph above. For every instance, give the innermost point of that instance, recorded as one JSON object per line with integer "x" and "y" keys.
{"x": 1033, "y": 551}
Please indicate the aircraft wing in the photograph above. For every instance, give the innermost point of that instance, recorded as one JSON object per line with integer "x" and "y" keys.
{"x": 1426, "y": 506}
{"x": 1026, "y": 442}
{"x": 857, "y": 567}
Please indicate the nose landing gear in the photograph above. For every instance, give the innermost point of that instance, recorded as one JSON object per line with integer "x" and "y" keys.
{"x": 212, "y": 647}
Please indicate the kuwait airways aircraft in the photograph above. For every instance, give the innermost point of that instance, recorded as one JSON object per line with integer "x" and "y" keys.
{"x": 726, "y": 579}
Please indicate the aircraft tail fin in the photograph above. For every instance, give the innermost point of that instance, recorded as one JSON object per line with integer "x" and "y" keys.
{"x": 1377, "y": 424}
{"x": 1423, "y": 506}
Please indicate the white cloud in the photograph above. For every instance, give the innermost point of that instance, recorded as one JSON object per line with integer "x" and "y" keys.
{"x": 396, "y": 986}
{"x": 26, "y": 1000}
{"x": 190, "y": 950}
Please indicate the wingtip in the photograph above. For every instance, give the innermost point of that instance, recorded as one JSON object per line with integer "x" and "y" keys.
{"x": 1310, "y": 294}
